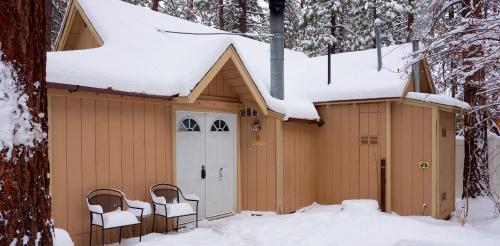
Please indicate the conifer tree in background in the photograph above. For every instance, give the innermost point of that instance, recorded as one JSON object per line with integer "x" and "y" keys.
{"x": 25, "y": 209}
{"x": 348, "y": 25}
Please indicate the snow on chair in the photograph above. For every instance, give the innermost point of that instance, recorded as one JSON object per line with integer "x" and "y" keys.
{"x": 139, "y": 208}
{"x": 106, "y": 211}
{"x": 166, "y": 203}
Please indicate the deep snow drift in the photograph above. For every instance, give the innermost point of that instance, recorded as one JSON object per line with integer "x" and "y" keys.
{"x": 356, "y": 224}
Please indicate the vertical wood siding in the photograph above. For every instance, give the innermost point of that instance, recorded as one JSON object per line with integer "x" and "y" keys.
{"x": 446, "y": 169}
{"x": 297, "y": 165}
{"x": 343, "y": 167}
{"x": 103, "y": 142}
{"x": 258, "y": 165}
{"x": 411, "y": 144}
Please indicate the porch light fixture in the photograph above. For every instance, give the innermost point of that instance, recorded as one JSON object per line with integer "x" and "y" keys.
{"x": 256, "y": 129}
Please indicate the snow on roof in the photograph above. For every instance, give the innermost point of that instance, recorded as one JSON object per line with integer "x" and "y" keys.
{"x": 438, "y": 99}
{"x": 138, "y": 58}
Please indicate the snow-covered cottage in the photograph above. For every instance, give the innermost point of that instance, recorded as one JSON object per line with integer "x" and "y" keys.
{"x": 133, "y": 103}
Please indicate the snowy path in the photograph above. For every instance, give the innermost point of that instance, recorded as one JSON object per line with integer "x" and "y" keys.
{"x": 328, "y": 225}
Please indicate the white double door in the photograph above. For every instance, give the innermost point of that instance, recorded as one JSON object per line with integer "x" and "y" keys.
{"x": 206, "y": 160}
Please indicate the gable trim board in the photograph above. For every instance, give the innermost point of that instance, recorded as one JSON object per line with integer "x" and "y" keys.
{"x": 229, "y": 54}
{"x": 73, "y": 9}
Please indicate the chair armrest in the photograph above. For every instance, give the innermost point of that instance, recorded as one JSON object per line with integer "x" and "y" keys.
{"x": 190, "y": 197}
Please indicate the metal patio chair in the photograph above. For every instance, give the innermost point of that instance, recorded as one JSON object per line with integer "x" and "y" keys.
{"x": 106, "y": 211}
{"x": 166, "y": 203}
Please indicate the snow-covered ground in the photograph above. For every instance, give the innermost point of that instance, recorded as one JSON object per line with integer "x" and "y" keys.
{"x": 332, "y": 225}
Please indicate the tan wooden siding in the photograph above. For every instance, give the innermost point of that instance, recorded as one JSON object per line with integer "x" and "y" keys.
{"x": 446, "y": 169}
{"x": 348, "y": 151}
{"x": 258, "y": 164}
{"x": 80, "y": 36}
{"x": 220, "y": 87}
{"x": 297, "y": 165}
{"x": 411, "y": 144}
{"x": 104, "y": 142}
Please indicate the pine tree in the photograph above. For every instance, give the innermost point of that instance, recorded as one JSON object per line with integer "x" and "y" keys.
{"x": 25, "y": 209}
{"x": 348, "y": 25}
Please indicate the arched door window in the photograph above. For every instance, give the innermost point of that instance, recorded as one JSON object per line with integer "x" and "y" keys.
{"x": 219, "y": 126}
{"x": 188, "y": 124}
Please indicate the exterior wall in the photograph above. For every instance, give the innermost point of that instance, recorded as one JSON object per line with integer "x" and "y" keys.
{"x": 104, "y": 141}
{"x": 298, "y": 160}
{"x": 411, "y": 144}
{"x": 446, "y": 169}
{"x": 348, "y": 151}
{"x": 258, "y": 164}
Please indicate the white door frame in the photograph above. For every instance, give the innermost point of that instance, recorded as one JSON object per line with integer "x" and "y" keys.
{"x": 236, "y": 178}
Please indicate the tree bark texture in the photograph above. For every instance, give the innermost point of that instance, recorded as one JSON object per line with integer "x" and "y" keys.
{"x": 243, "y": 16}
{"x": 154, "y": 5}
{"x": 25, "y": 198}
{"x": 220, "y": 10}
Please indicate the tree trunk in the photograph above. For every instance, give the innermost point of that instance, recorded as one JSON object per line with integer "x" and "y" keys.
{"x": 220, "y": 9}
{"x": 243, "y": 16}
{"x": 25, "y": 210}
{"x": 476, "y": 176}
{"x": 409, "y": 27}
{"x": 333, "y": 24}
{"x": 155, "y": 4}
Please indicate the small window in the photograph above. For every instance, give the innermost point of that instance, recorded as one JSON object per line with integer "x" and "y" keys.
{"x": 219, "y": 126}
{"x": 188, "y": 124}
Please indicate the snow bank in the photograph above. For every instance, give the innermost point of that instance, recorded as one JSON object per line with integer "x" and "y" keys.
{"x": 438, "y": 99}
{"x": 325, "y": 225}
{"x": 61, "y": 238}
{"x": 16, "y": 125}
{"x": 360, "y": 206}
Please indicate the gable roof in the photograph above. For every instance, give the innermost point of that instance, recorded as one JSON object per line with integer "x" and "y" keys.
{"x": 136, "y": 56}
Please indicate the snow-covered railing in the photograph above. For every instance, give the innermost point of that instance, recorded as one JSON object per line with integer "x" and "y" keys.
{"x": 493, "y": 163}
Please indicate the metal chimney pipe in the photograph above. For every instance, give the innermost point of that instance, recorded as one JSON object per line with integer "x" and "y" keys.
{"x": 379, "y": 45}
{"x": 329, "y": 63}
{"x": 277, "y": 9}
{"x": 416, "y": 67}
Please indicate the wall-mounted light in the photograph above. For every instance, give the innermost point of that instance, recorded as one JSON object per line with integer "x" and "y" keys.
{"x": 256, "y": 129}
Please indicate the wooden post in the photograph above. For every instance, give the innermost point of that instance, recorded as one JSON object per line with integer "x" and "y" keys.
{"x": 382, "y": 185}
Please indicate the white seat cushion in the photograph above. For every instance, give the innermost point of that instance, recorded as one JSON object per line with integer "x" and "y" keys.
{"x": 139, "y": 204}
{"x": 175, "y": 209}
{"x": 115, "y": 219}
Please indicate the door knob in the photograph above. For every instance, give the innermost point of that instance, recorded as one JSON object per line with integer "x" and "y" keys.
{"x": 221, "y": 173}
{"x": 203, "y": 172}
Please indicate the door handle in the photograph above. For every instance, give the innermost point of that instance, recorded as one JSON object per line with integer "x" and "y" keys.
{"x": 203, "y": 172}
{"x": 221, "y": 173}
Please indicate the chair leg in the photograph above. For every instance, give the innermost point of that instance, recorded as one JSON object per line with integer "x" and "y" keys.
{"x": 177, "y": 225}
{"x": 120, "y": 234}
{"x": 140, "y": 233}
{"x": 154, "y": 222}
{"x": 196, "y": 220}
{"x": 102, "y": 241}
{"x": 90, "y": 241}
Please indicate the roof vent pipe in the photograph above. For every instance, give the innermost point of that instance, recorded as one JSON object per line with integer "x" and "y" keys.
{"x": 329, "y": 63}
{"x": 378, "y": 44}
{"x": 416, "y": 67}
{"x": 277, "y": 9}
